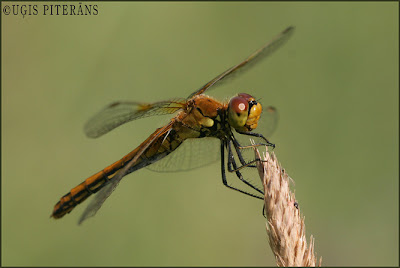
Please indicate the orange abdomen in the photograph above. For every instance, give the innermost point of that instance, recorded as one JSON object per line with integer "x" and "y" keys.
{"x": 78, "y": 194}
{"x": 164, "y": 144}
{"x": 94, "y": 183}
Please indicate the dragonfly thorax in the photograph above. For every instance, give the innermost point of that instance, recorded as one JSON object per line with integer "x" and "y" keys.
{"x": 244, "y": 112}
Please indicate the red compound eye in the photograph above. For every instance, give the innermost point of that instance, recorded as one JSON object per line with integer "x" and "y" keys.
{"x": 246, "y": 96}
{"x": 239, "y": 104}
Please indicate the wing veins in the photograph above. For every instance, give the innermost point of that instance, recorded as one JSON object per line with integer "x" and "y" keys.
{"x": 100, "y": 197}
{"x": 119, "y": 113}
{"x": 260, "y": 54}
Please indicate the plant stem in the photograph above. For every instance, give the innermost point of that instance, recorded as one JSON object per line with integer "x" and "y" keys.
{"x": 285, "y": 225}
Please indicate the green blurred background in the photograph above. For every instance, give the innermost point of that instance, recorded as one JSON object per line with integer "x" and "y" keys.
{"x": 335, "y": 84}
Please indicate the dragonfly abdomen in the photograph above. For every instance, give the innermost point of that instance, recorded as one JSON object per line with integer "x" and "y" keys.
{"x": 79, "y": 193}
{"x": 90, "y": 186}
{"x": 161, "y": 147}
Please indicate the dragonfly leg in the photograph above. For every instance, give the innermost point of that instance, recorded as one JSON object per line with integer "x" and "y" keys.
{"x": 264, "y": 212}
{"x": 249, "y": 164}
{"x": 239, "y": 154}
{"x": 258, "y": 135}
{"x": 224, "y": 181}
{"x": 252, "y": 146}
{"x": 237, "y": 146}
{"x": 232, "y": 167}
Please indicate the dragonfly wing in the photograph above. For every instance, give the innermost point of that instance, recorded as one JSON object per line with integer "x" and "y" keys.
{"x": 193, "y": 153}
{"x": 268, "y": 122}
{"x": 98, "y": 200}
{"x": 104, "y": 193}
{"x": 257, "y": 56}
{"x": 119, "y": 113}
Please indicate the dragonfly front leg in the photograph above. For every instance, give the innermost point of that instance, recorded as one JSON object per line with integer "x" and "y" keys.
{"x": 232, "y": 166}
{"x": 224, "y": 181}
{"x": 238, "y": 147}
{"x": 258, "y": 135}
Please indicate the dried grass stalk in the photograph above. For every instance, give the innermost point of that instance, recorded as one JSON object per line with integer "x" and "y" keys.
{"x": 285, "y": 226}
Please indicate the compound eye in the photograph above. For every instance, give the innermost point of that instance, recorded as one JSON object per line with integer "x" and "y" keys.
{"x": 238, "y": 111}
{"x": 239, "y": 105}
{"x": 246, "y": 96}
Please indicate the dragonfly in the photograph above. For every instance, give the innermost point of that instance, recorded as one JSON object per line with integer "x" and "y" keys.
{"x": 198, "y": 117}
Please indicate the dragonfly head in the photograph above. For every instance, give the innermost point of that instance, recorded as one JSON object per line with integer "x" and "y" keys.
{"x": 244, "y": 112}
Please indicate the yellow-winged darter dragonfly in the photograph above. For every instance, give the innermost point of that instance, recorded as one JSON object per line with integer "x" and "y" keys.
{"x": 199, "y": 117}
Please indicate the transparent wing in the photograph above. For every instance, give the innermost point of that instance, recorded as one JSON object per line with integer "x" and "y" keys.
{"x": 268, "y": 121}
{"x": 254, "y": 58}
{"x": 99, "y": 198}
{"x": 119, "y": 113}
{"x": 196, "y": 153}
{"x": 193, "y": 153}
